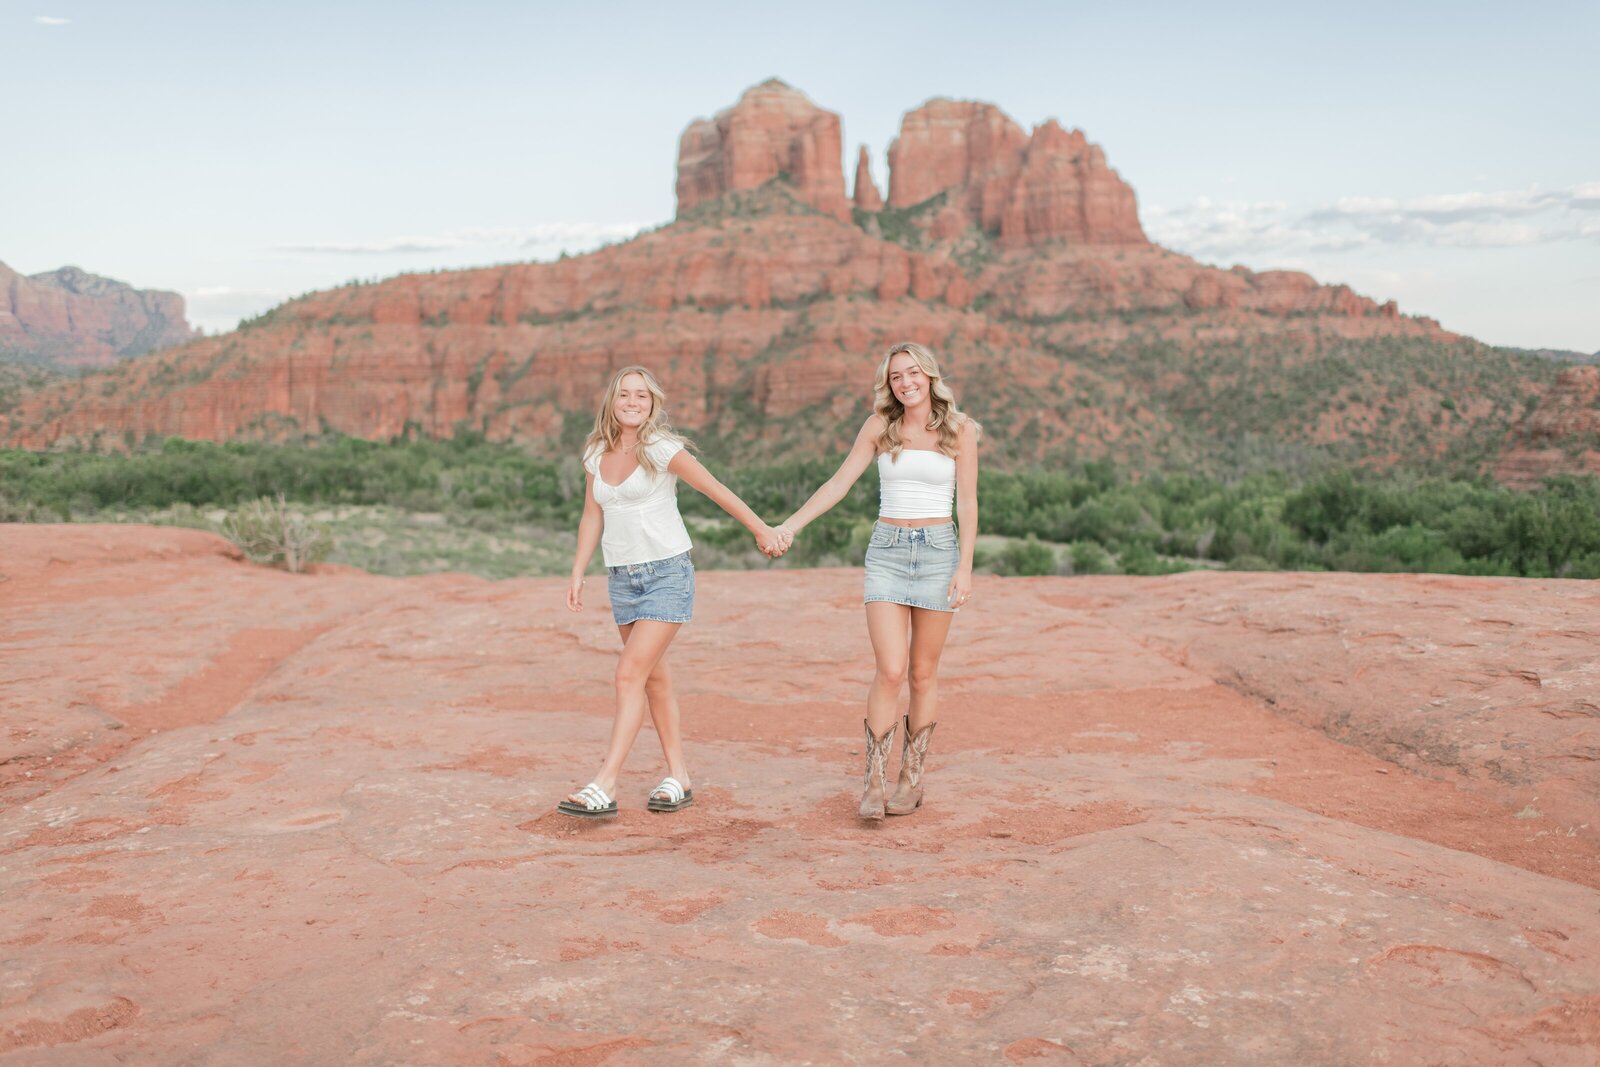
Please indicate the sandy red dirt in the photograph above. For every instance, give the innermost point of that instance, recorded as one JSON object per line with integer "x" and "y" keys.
{"x": 251, "y": 817}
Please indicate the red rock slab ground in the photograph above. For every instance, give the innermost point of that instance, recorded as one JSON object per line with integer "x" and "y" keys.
{"x": 260, "y": 818}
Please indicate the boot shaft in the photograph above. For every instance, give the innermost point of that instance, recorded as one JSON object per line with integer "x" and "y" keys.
{"x": 914, "y": 752}
{"x": 878, "y": 755}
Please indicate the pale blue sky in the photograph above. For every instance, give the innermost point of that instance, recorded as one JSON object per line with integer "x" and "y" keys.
{"x": 1445, "y": 155}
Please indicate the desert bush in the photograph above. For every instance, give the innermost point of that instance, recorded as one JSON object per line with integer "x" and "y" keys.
{"x": 1025, "y": 557}
{"x": 267, "y": 531}
{"x": 1089, "y": 558}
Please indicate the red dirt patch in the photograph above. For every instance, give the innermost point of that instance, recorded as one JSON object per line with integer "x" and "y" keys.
{"x": 910, "y": 921}
{"x": 812, "y": 929}
{"x": 223, "y": 684}
{"x": 78, "y": 1026}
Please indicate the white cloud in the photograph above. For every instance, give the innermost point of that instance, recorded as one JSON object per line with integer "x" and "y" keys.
{"x": 1234, "y": 230}
{"x": 50, "y": 20}
{"x": 220, "y": 307}
{"x": 374, "y": 248}
{"x": 549, "y": 238}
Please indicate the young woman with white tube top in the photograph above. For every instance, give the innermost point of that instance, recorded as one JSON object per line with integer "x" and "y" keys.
{"x": 919, "y": 563}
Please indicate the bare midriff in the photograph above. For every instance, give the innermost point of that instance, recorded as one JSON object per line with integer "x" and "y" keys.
{"x": 912, "y": 524}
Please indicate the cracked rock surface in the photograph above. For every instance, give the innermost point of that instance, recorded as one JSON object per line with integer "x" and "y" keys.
{"x": 251, "y": 817}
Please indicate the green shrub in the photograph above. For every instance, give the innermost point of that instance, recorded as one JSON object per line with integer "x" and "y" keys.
{"x": 1025, "y": 557}
{"x": 1090, "y": 558}
{"x": 267, "y": 531}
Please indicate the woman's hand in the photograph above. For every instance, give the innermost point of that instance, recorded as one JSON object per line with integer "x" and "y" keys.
{"x": 770, "y": 541}
{"x": 575, "y": 593}
{"x": 960, "y": 587}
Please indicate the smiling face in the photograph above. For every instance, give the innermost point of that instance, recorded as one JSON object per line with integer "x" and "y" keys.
{"x": 908, "y": 381}
{"x": 632, "y": 403}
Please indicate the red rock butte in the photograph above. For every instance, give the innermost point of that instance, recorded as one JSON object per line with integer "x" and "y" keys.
{"x": 1031, "y": 190}
{"x": 72, "y": 318}
{"x": 1017, "y": 256}
{"x": 772, "y": 131}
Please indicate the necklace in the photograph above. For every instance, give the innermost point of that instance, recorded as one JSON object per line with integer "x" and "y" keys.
{"x": 629, "y": 448}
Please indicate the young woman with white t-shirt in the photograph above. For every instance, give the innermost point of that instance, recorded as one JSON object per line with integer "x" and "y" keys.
{"x": 918, "y": 570}
{"x": 633, "y": 461}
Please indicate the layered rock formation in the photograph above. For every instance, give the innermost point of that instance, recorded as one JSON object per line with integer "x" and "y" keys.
{"x": 761, "y": 308}
{"x": 72, "y": 318}
{"x": 774, "y": 131}
{"x": 18, "y": 380}
{"x": 867, "y": 197}
{"x": 1559, "y": 434}
{"x": 1053, "y": 186}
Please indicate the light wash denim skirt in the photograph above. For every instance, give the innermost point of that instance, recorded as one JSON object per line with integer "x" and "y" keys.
{"x": 912, "y": 566}
{"x": 662, "y": 590}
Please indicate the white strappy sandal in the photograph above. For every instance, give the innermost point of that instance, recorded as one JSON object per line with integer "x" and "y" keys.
{"x": 596, "y": 805}
{"x": 676, "y": 799}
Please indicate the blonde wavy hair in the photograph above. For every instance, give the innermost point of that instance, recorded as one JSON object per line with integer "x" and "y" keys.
{"x": 607, "y": 433}
{"x": 945, "y": 417}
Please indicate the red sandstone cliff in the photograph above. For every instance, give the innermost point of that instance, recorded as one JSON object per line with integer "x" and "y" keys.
{"x": 1029, "y": 190}
{"x": 1559, "y": 435}
{"x": 762, "y": 299}
{"x": 773, "y": 131}
{"x": 73, "y": 318}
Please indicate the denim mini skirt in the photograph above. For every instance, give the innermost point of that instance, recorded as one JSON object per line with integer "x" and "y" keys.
{"x": 912, "y": 566}
{"x": 662, "y": 590}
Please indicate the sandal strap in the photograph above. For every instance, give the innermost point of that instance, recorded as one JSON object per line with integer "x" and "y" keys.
{"x": 594, "y": 798}
{"x": 672, "y": 787}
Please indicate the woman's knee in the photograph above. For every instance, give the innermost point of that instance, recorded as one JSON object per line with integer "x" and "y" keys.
{"x": 892, "y": 673}
{"x": 632, "y": 675}
{"x": 924, "y": 676}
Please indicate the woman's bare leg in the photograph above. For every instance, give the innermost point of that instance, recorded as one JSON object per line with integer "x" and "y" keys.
{"x": 889, "y": 627}
{"x": 664, "y": 717}
{"x": 928, "y": 632}
{"x": 644, "y": 643}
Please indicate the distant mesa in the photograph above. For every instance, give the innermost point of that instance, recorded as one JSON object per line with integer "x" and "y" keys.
{"x": 71, "y": 318}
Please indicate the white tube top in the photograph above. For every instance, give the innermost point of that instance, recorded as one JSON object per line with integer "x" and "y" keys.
{"x": 921, "y": 484}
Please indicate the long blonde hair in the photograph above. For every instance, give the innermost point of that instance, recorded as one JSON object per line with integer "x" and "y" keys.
{"x": 607, "y": 432}
{"x": 945, "y": 417}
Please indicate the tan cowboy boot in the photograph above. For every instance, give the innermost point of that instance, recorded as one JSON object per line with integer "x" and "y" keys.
{"x": 908, "y": 790}
{"x": 876, "y": 782}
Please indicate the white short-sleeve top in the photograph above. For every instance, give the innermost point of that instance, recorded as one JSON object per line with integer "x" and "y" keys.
{"x": 642, "y": 523}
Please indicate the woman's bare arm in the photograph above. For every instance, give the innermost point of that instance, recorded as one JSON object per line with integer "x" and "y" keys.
{"x": 966, "y": 511}
{"x": 589, "y": 529}
{"x": 833, "y": 490}
{"x": 695, "y": 474}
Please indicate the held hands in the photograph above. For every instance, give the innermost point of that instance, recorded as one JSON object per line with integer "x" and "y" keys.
{"x": 774, "y": 541}
{"x": 575, "y": 593}
{"x": 960, "y": 588}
